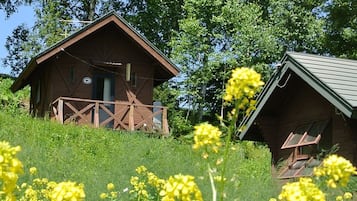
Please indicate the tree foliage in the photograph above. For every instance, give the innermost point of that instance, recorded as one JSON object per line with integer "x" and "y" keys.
{"x": 216, "y": 36}
{"x": 17, "y": 55}
{"x": 10, "y": 6}
{"x": 342, "y": 28}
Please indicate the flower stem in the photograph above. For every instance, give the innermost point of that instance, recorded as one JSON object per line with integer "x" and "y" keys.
{"x": 214, "y": 192}
{"x": 231, "y": 130}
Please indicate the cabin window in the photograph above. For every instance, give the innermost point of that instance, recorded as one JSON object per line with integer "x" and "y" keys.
{"x": 306, "y": 134}
{"x": 301, "y": 140}
{"x": 38, "y": 92}
{"x": 133, "y": 79}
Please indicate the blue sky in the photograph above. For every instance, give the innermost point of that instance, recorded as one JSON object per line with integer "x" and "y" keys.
{"x": 25, "y": 14}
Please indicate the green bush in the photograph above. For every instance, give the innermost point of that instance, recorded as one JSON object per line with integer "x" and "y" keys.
{"x": 13, "y": 102}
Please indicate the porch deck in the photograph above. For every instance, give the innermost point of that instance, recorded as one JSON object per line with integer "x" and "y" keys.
{"x": 117, "y": 115}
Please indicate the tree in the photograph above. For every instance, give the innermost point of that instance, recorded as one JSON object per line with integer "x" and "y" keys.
{"x": 341, "y": 28}
{"x": 16, "y": 58}
{"x": 218, "y": 35}
{"x": 24, "y": 44}
{"x": 48, "y": 28}
{"x": 215, "y": 37}
{"x": 298, "y": 24}
{"x": 10, "y": 6}
{"x": 155, "y": 19}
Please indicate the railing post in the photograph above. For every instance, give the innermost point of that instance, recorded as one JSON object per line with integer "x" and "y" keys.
{"x": 131, "y": 118}
{"x": 96, "y": 115}
{"x": 165, "y": 125}
{"x": 60, "y": 110}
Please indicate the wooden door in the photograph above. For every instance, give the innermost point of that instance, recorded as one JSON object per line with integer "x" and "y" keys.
{"x": 103, "y": 89}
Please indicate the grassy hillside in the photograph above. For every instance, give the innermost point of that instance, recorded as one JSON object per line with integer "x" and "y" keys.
{"x": 96, "y": 157}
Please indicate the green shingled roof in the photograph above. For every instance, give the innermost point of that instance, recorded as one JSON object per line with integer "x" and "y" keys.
{"x": 333, "y": 78}
{"x": 340, "y": 75}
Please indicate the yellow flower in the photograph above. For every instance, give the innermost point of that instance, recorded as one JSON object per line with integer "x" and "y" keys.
{"x": 33, "y": 170}
{"x": 155, "y": 181}
{"x": 114, "y": 194}
{"x": 181, "y": 187}
{"x": 110, "y": 186}
{"x": 336, "y": 170}
{"x": 304, "y": 189}
{"x": 67, "y": 191}
{"x": 219, "y": 179}
{"x": 141, "y": 169}
{"x": 219, "y": 161}
{"x": 242, "y": 86}
{"x": 339, "y": 198}
{"x": 10, "y": 168}
{"x": 207, "y": 137}
{"x": 347, "y": 196}
{"x": 103, "y": 196}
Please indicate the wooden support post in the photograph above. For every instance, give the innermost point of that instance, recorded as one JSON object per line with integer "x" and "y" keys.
{"x": 60, "y": 110}
{"x": 131, "y": 118}
{"x": 165, "y": 125}
{"x": 96, "y": 115}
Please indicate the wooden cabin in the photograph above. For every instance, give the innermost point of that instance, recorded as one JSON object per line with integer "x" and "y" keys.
{"x": 103, "y": 75}
{"x": 308, "y": 105}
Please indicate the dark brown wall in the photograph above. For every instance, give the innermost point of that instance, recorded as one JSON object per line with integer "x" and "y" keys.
{"x": 301, "y": 104}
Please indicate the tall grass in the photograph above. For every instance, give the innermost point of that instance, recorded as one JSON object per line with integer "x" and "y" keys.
{"x": 96, "y": 157}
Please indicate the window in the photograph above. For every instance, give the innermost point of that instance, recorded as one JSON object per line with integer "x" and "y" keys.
{"x": 305, "y": 135}
{"x": 133, "y": 79}
{"x": 38, "y": 92}
{"x": 302, "y": 138}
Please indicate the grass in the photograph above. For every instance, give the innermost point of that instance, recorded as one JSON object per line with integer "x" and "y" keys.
{"x": 96, "y": 157}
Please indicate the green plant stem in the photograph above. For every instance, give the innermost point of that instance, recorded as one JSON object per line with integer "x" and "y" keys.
{"x": 214, "y": 192}
{"x": 231, "y": 129}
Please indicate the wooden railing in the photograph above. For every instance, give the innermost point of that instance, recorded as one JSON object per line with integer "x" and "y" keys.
{"x": 117, "y": 115}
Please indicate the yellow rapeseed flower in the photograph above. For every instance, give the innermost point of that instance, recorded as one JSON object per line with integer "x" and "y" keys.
{"x": 241, "y": 88}
{"x": 141, "y": 169}
{"x": 347, "y": 196}
{"x": 302, "y": 190}
{"x": 139, "y": 188}
{"x": 33, "y": 170}
{"x": 110, "y": 186}
{"x": 244, "y": 82}
{"x": 336, "y": 170}
{"x": 103, "y": 196}
{"x": 207, "y": 137}
{"x": 10, "y": 168}
{"x": 181, "y": 187}
{"x": 67, "y": 191}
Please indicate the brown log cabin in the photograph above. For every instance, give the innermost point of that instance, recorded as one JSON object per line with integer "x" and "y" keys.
{"x": 102, "y": 75}
{"x": 308, "y": 105}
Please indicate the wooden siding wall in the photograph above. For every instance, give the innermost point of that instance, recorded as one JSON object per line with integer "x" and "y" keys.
{"x": 64, "y": 72}
{"x": 300, "y": 105}
{"x": 41, "y": 107}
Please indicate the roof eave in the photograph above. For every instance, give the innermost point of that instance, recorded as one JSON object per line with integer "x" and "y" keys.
{"x": 22, "y": 80}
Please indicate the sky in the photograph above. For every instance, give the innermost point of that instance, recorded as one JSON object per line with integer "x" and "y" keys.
{"x": 25, "y": 14}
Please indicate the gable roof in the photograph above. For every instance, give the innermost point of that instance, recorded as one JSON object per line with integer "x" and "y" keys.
{"x": 333, "y": 78}
{"x": 146, "y": 45}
